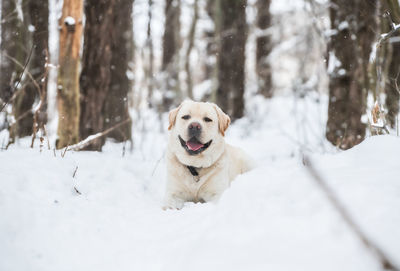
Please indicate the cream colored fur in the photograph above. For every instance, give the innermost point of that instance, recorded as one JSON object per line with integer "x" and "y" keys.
{"x": 217, "y": 165}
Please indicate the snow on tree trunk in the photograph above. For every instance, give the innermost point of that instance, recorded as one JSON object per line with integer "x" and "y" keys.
{"x": 68, "y": 75}
{"x": 354, "y": 29}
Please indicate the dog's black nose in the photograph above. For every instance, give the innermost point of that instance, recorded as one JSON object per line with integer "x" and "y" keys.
{"x": 194, "y": 129}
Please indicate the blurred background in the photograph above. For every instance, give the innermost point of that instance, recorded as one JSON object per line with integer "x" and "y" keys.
{"x": 327, "y": 70}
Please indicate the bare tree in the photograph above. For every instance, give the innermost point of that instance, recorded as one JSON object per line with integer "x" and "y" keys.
{"x": 116, "y": 107}
{"x": 354, "y": 28}
{"x": 150, "y": 54}
{"x": 38, "y": 12}
{"x": 231, "y": 57}
{"x": 192, "y": 32}
{"x": 96, "y": 67}
{"x": 393, "y": 70}
{"x": 14, "y": 51}
{"x": 68, "y": 75}
{"x": 170, "y": 58}
{"x": 25, "y": 95}
{"x": 264, "y": 47}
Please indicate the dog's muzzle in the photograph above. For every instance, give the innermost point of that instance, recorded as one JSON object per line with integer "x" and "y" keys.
{"x": 193, "y": 146}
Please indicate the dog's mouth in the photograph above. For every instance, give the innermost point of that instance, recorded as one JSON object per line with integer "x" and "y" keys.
{"x": 193, "y": 146}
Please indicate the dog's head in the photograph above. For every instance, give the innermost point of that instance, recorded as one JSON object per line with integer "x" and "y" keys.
{"x": 197, "y": 133}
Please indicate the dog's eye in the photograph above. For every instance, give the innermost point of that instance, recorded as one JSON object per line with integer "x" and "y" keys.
{"x": 186, "y": 117}
{"x": 207, "y": 119}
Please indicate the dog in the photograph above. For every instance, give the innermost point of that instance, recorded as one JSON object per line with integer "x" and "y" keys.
{"x": 200, "y": 165}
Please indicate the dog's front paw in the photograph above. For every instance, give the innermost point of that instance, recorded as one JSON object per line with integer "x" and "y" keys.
{"x": 173, "y": 203}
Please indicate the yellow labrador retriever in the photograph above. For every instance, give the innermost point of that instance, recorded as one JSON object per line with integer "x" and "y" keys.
{"x": 200, "y": 165}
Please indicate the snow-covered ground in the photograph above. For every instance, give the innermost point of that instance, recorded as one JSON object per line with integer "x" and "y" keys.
{"x": 272, "y": 218}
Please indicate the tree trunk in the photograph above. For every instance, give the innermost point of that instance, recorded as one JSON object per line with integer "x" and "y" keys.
{"x": 39, "y": 19}
{"x": 116, "y": 107}
{"x": 192, "y": 32}
{"x": 212, "y": 48}
{"x": 150, "y": 56}
{"x": 393, "y": 78}
{"x": 231, "y": 62}
{"x": 170, "y": 58}
{"x": 10, "y": 33}
{"x": 13, "y": 52}
{"x": 23, "y": 101}
{"x": 68, "y": 75}
{"x": 96, "y": 68}
{"x": 355, "y": 26}
{"x": 264, "y": 47}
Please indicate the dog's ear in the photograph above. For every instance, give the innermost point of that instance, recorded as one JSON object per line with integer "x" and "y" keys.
{"x": 172, "y": 117}
{"x": 223, "y": 120}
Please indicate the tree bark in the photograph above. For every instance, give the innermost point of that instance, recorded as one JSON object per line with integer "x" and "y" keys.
{"x": 170, "y": 58}
{"x": 393, "y": 78}
{"x": 68, "y": 75}
{"x": 231, "y": 57}
{"x": 150, "y": 55}
{"x": 116, "y": 108}
{"x": 192, "y": 32}
{"x": 212, "y": 48}
{"x": 13, "y": 53}
{"x": 96, "y": 68}
{"x": 38, "y": 12}
{"x": 264, "y": 47}
{"x": 355, "y": 27}
{"x": 23, "y": 101}
{"x": 10, "y": 32}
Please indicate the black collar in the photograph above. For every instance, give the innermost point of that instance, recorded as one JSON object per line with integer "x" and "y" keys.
{"x": 193, "y": 171}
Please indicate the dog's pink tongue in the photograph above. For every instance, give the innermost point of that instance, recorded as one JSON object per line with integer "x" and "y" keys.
{"x": 194, "y": 146}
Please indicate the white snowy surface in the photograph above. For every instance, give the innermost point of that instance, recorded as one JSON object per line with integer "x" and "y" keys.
{"x": 273, "y": 218}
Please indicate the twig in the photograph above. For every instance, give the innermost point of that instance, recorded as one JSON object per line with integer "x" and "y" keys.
{"x": 158, "y": 162}
{"x": 82, "y": 144}
{"x": 64, "y": 152}
{"x": 76, "y": 169}
{"x": 77, "y": 191}
{"x": 386, "y": 36}
{"x": 333, "y": 199}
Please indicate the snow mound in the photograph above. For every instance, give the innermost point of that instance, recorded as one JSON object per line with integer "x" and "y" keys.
{"x": 272, "y": 217}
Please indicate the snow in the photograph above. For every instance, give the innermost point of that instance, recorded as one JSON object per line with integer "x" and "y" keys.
{"x": 272, "y": 217}
{"x": 69, "y": 20}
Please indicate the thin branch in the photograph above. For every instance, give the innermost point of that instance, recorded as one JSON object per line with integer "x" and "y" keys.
{"x": 82, "y": 144}
{"x": 76, "y": 169}
{"x": 386, "y": 36}
{"x": 344, "y": 213}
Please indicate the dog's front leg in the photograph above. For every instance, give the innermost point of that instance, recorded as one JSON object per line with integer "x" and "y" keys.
{"x": 212, "y": 191}
{"x": 173, "y": 200}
